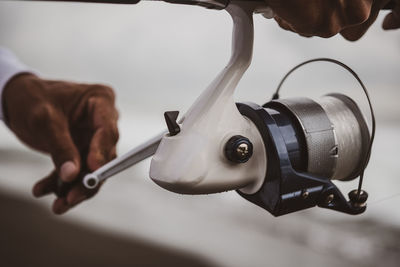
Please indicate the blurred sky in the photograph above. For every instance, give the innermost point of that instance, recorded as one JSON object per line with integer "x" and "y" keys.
{"x": 160, "y": 57}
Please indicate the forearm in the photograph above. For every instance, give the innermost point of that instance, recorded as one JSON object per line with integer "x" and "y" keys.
{"x": 10, "y": 66}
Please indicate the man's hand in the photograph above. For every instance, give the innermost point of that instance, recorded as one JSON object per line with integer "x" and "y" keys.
{"x": 75, "y": 123}
{"x": 327, "y": 18}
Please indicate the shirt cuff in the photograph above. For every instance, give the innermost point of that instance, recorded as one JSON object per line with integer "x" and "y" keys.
{"x": 9, "y": 67}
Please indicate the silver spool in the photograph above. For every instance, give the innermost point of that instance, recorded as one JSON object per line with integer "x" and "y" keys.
{"x": 318, "y": 134}
{"x": 351, "y": 133}
{"x": 335, "y": 133}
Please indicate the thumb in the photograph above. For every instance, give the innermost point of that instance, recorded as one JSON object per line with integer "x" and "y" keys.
{"x": 64, "y": 153}
{"x": 391, "y": 21}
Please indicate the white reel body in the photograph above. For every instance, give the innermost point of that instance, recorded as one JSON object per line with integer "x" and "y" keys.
{"x": 193, "y": 161}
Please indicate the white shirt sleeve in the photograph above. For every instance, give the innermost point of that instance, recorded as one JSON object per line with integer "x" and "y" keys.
{"x": 9, "y": 67}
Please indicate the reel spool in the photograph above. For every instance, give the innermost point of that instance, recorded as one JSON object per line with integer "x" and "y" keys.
{"x": 309, "y": 144}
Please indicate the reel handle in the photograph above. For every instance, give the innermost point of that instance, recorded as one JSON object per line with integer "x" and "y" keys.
{"x": 123, "y": 162}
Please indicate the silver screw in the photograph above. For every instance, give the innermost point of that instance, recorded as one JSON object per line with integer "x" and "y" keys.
{"x": 242, "y": 150}
{"x": 305, "y": 194}
{"x": 238, "y": 149}
{"x": 329, "y": 199}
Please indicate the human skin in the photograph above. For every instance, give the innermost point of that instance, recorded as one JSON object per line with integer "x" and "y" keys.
{"x": 324, "y": 18}
{"x": 76, "y": 124}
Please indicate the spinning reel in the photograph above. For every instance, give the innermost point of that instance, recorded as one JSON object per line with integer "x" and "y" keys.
{"x": 282, "y": 155}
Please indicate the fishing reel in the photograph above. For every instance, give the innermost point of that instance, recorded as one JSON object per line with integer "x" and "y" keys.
{"x": 305, "y": 144}
{"x": 282, "y": 156}
{"x": 309, "y": 143}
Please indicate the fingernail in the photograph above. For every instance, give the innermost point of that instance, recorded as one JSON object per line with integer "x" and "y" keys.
{"x": 68, "y": 171}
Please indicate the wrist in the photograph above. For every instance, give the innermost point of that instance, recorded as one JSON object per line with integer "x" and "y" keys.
{"x": 14, "y": 90}
{"x": 10, "y": 66}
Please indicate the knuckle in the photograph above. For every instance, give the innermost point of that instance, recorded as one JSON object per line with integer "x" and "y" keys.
{"x": 351, "y": 36}
{"x": 41, "y": 115}
{"x": 321, "y": 26}
{"x": 329, "y": 31}
{"x": 103, "y": 90}
{"x": 114, "y": 134}
{"x": 360, "y": 14}
{"x": 330, "y": 21}
{"x": 116, "y": 115}
{"x": 324, "y": 27}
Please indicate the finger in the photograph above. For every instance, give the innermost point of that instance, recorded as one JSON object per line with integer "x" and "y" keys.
{"x": 63, "y": 151}
{"x": 356, "y": 32}
{"x": 391, "y": 21}
{"x": 286, "y": 26}
{"x": 68, "y": 171}
{"x": 46, "y": 185}
{"x": 80, "y": 193}
{"x": 102, "y": 146}
{"x": 75, "y": 196}
{"x": 60, "y": 206}
{"x": 353, "y": 33}
{"x": 50, "y": 129}
{"x": 113, "y": 153}
{"x": 283, "y": 24}
{"x": 103, "y": 112}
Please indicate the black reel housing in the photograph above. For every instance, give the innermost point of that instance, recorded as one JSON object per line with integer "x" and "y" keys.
{"x": 288, "y": 187}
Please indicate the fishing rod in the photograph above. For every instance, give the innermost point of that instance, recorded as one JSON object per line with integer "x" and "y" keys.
{"x": 210, "y": 4}
{"x": 282, "y": 156}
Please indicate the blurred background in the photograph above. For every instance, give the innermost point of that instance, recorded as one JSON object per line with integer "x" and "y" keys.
{"x": 160, "y": 57}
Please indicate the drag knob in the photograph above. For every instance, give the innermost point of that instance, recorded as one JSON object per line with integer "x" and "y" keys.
{"x": 238, "y": 149}
{"x": 170, "y": 119}
{"x": 358, "y": 201}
